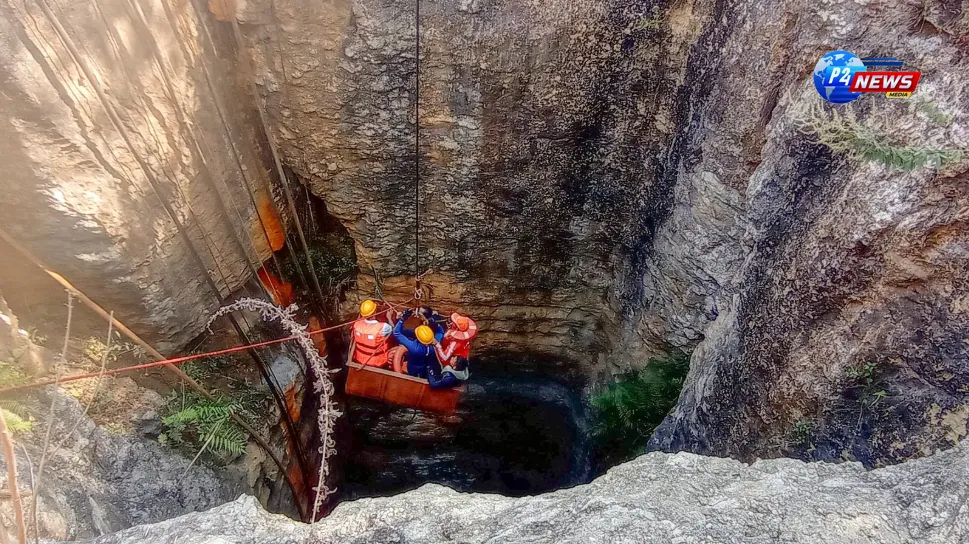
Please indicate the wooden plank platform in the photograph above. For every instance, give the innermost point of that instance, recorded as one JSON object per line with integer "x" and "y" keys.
{"x": 400, "y": 389}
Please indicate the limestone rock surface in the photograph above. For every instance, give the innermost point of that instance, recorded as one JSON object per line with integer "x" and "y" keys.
{"x": 603, "y": 182}
{"x": 88, "y": 201}
{"x": 98, "y": 480}
{"x": 656, "y": 498}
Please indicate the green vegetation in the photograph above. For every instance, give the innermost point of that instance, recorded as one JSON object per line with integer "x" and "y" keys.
{"x": 16, "y": 422}
{"x": 932, "y": 111}
{"x": 333, "y": 261}
{"x": 863, "y": 376}
{"x": 627, "y": 412}
{"x": 205, "y": 368}
{"x": 801, "y": 432}
{"x": 864, "y": 373}
{"x": 203, "y": 424}
{"x": 843, "y": 133}
{"x": 252, "y": 398}
{"x": 94, "y": 349}
{"x": 11, "y": 375}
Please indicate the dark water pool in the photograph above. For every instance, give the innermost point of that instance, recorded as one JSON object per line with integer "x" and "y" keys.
{"x": 511, "y": 435}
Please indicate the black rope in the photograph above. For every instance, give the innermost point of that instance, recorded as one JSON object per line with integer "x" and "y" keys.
{"x": 417, "y": 147}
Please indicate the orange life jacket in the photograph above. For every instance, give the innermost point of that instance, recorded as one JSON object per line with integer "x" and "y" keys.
{"x": 372, "y": 342}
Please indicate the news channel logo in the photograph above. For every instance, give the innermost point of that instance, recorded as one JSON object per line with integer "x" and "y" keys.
{"x": 833, "y": 73}
{"x": 835, "y": 77}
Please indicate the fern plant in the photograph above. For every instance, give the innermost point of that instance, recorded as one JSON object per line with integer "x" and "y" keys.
{"x": 16, "y": 422}
{"x": 204, "y": 423}
{"x": 841, "y": 132}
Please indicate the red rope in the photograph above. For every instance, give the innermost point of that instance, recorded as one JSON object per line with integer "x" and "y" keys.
{"x": 173, "y": 361}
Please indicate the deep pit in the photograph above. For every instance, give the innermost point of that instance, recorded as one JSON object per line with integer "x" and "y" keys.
{"x": 513, "y": 434}
{"x": 599, "y": 183}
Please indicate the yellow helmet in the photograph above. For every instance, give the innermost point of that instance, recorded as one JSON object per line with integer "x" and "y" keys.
{"x": 367, "y": 308}
{"x": 425, "y": 335}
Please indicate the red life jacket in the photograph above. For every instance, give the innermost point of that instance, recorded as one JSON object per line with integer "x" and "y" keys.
{"x": 371, "y": 342}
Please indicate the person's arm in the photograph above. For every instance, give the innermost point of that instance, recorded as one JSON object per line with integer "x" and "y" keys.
{"x": 442, "y": 355}
{"x": 442, "y": 381}
{"x": 409, "y": 344}
{"x": 435, "y": 379}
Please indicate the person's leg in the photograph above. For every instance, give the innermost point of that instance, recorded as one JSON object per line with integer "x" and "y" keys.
{"x": 442, "y": 381}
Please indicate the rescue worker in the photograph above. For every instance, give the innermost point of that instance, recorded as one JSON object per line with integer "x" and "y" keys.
{"x": 371, "y": 337}
{"x": 434, "y": 320}
{"x": 452, "y": 374}
{"x": 420, "y": 352}
{"x": 453, "y": 352}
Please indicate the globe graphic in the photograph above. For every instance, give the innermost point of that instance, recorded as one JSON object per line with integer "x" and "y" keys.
{"x": 832, "y": 76}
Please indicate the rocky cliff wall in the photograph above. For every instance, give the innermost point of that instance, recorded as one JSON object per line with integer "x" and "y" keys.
{"x": 606, "y": 181}
{"x": 842, "y": 330}
{"x": 656, "y": 498}
{"x": 541, "y": 150}
{"x": 82, "y": 198}
{"x": 97, "y": 478}
{"x": 601, "y": 182}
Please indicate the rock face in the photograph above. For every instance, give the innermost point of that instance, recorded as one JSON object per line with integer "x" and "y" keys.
{"x": 656, "y": 498}
{"x": 97, "y": 482}
{"x": 844, "y": 334}
{"x": 96, "y": 479}
{"x": 602, "y": 182}
{"x": 540, "y": 150}
{"x": 88, "y": 202}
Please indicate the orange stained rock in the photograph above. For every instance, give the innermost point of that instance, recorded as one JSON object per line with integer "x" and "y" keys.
{"x": 277, "y": 235}
{"x": 318, "y": 339}
{"x": 292, "y": 405}
{"x": 281, "y": 292}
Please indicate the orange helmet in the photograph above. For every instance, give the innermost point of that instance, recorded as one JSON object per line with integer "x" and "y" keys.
{"x": 464, "y": 327}
{"x": 461, "y": 322}
{"x": 367, "y": 308}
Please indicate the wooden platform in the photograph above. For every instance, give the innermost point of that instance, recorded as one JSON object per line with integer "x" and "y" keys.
{"x": 400, "y": 389}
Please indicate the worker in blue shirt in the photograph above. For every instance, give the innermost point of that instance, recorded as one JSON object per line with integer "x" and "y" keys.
{"x": 420, "y": 351}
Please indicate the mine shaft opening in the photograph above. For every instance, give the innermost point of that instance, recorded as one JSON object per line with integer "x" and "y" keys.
{"x": 514, "y": 433}
{"x": 329, "y": 248}
{"x": 526, "y": 425}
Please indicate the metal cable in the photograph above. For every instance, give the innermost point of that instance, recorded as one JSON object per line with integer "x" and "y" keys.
{"x": 417, "y": 140}
{"x": 220, "y": 110}
{"x": 280, "y": 171}
{"x": 272, "y": 382}
{"x": 417, "y": 147}
{"x": 149, "y": 175}
{"x": 196, "y": 150}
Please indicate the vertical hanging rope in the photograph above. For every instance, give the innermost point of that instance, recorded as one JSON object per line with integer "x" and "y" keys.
{"x": 417, "y": 151}
{"x": 314, "y": 283}
{"x": 205, "y": 39}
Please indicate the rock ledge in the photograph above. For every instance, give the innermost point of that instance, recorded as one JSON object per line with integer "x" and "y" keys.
{"x": 658, "y": 497}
